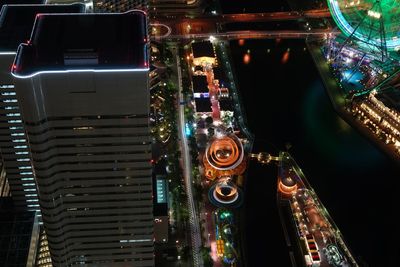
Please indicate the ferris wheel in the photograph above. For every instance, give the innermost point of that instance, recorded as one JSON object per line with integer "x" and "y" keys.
{"x": 370, "y": 22}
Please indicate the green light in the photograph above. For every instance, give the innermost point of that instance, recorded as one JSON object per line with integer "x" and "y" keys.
{"x": 226, "y": 214}
{"x": 349, "y": 14}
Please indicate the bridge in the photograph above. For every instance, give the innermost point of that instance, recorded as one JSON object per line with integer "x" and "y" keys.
{"x": 182, "y": 27}
{"x": 264, "y": 157}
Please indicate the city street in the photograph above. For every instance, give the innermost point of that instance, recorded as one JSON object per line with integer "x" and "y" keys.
{"x": 187, "y": 173}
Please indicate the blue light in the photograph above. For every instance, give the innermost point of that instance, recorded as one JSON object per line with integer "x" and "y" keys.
{"x": 187, "y": 130}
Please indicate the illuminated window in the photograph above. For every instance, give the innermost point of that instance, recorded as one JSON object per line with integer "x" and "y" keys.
{"x": 19, "y": 140}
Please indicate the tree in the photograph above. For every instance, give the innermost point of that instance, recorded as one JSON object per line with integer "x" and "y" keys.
{"x": 209, "y": 121}
{"x": 207, "y": 260}
{"x": 185, "y": 252}
{"x": 184, "y": 212}
{"x": 198, "y": 189}
{"x": 171, "y": 87}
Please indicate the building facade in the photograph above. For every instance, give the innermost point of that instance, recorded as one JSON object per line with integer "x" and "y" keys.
{"x": 19, "y": 233}
{"x": 119, "y": 5}
{"x": 15, "y": 27}
{"x": 85, "y": 105}
{"x": 43, "y": 258}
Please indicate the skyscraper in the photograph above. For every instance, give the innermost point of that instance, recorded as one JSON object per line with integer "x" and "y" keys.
{"x": 82, "y": 84}
{"x": 16, "y": 23}
{"x": 19, "y": 233}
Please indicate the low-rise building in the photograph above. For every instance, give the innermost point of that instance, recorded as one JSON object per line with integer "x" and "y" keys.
{"x": 200, "y": 86}
{"x": 203, "y": 53}
{"x": 203, "y": 105}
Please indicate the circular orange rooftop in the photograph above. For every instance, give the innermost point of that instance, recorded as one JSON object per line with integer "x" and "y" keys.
{"x": 225, "y": 191}
{"x": 225, "y": 152}
{"x": 287, "y": 185}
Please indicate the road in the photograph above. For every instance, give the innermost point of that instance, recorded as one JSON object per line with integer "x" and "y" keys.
{"x": 181, "y": 27}
{"x": 284, "y": 34}
{"x": 194, "y": 221}
{"x": 274, "y": 16}
{"x": 248, "y": 17}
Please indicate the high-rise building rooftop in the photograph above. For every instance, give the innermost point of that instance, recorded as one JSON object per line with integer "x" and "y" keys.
{"x": 82, "y": 84}
{"x": 16, "y": 23}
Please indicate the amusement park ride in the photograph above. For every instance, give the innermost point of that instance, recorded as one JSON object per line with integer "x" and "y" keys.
{"x": 365, "y": 56}
{"x": 224, "y": 163}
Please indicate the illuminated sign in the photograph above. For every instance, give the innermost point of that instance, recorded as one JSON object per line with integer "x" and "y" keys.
{"x": 161, "y": 191}
{"x": 201, "y": 95}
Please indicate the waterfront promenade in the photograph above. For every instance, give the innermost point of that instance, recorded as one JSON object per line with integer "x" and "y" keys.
{"x": 339, "y": 102}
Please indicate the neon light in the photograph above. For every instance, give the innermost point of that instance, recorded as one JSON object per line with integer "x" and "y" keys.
{"x": 82, "y": 14}
{"x": 77, "y": 70}
{"x": 91, "y": 14}
{"x": 14, "y": 66}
